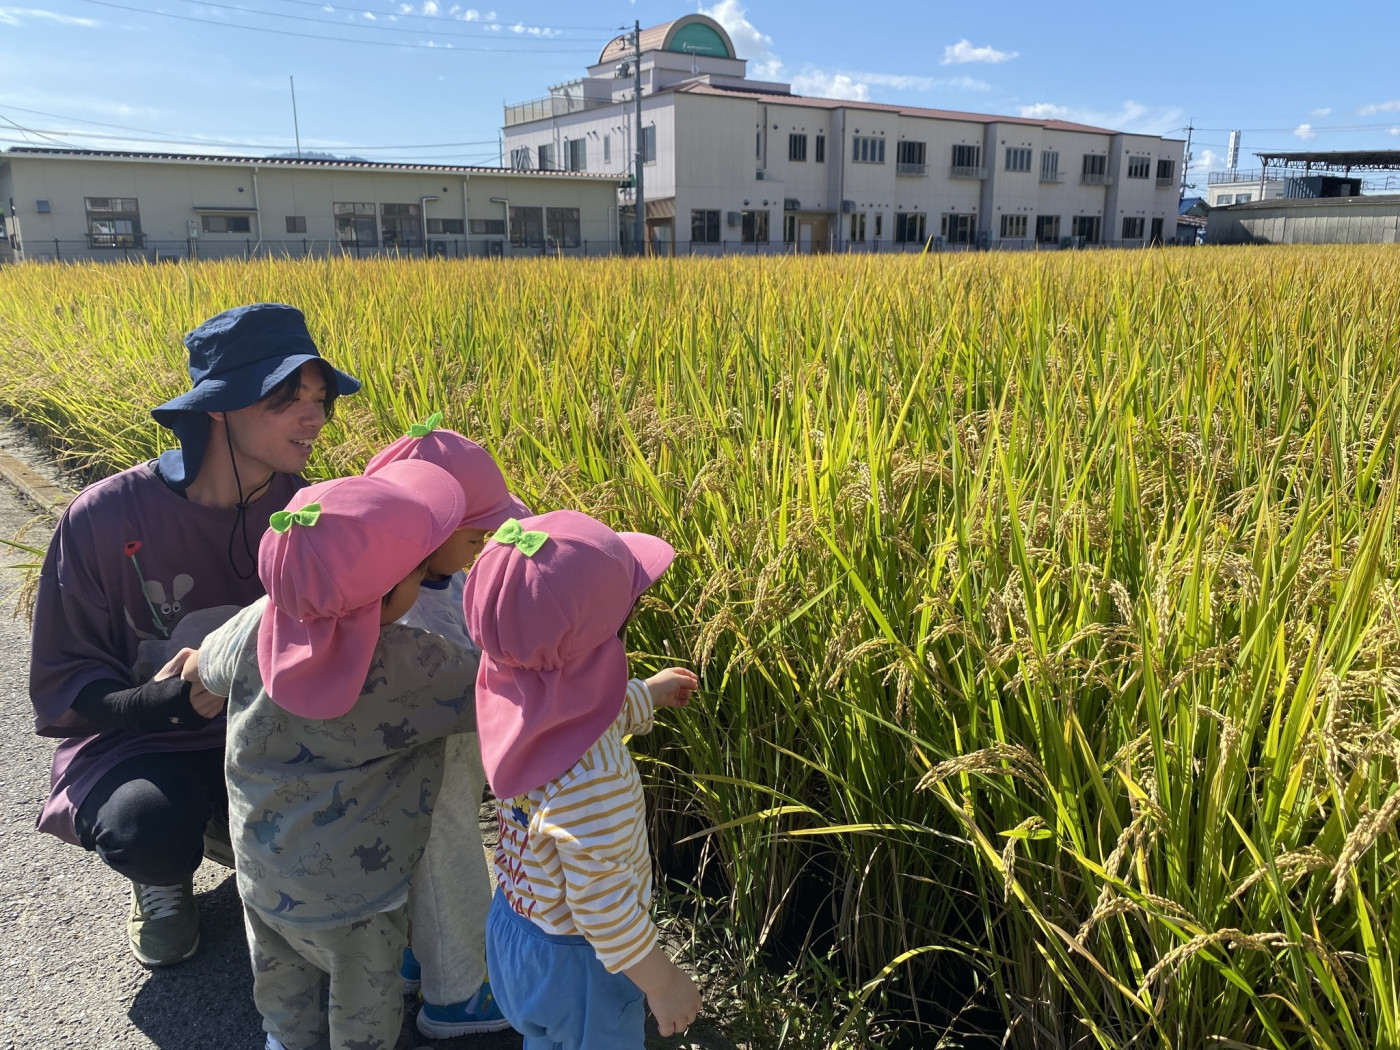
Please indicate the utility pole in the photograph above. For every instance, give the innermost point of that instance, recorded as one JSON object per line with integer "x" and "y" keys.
{"x": 295, "y": 126}
{"x": 641, "y": 219}
{"x": 1185, "y": 162}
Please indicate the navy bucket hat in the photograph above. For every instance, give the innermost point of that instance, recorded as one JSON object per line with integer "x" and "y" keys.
{"x": 237, "y": 358}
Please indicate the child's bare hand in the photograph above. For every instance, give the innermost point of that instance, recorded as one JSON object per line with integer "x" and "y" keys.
{"x": 185, "y": 663}
{"x": 671, "y": 994}
{"x": 672, "y": 687}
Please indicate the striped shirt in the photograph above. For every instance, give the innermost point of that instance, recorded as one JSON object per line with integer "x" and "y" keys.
{"x": 572, "y": 855}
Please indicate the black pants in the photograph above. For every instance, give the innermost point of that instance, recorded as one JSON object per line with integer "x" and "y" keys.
{"x": 146, "y": 817}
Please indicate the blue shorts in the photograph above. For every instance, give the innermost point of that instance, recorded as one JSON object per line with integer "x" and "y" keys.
{"x": 555, "y": 992}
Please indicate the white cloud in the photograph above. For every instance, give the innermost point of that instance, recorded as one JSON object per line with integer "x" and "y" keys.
{"x": 1324, "y": 111}
{"x": 11, "y": 16}
{"x": 1133, "y": 117}
{"x": 749, "y": 43}
{"x": 963, "y": 51}
{"x": 1395, "y": 131}
{"x": 1209, "y": 160}
{"x": 369, "y": 15}
{"x": 1305, "y": 132}
{"x": 830, "y": 85}
{"x": 967, "y": 83}
{"x": 856, "y": 87}
{"x": 430, "y": 7}
{"x": 1393, "y": 106}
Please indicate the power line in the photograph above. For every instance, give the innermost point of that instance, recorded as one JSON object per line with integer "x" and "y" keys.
{"x": 341, "y": 39}
{"x": 465, "y": 21}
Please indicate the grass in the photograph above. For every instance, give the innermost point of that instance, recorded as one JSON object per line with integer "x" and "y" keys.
{"x": 1045, "y": 605}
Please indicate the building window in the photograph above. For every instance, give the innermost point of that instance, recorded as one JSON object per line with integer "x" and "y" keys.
{"x": 563, "y": 227}
{"x": 1018, "y": 159}
{"x": 909, "y": 227}
{"x": 797, "y": 147}
{"x": 449, "y": 227}
{"x": 1013, "y": 227}
{"x": 296, "y": 223}
{"x": 1086, "y": 226}
{"x": 488, "y": 227}
{"x": 1095, "y": 164}
{"x": 577, "y": 154}
{"x": 959, "y": 228}
{"x": 1243, "y": 198}
{"x": 858, "y": 226}
{"x": 879, "y": 216}
{"x": 866, "y": 150}
{"x": 649, "y": 144}
{"x": 753, "y": 226}
{"x": 401, "y": 225}
{"x": 758, "y": 144}
{"x": 113, "y": 222}
{"x": 909, "y": 158}
{"x": 226, "y": 223}
{"x": 704, "y": 225}
{"x": 1050, "y": 165}
{"x": 821, "y": 149}
{"x": 1166, "y": 169}
{"x": 1139, "y": 167}
{"x": 1132, "y": 226}
{"x": 527, "y": 227}
{"x": 1224, "y": 198}
{"x": 354, "y": 225}
{"x": 546, "y": 156}
{"x": 607, "y": 149}
{"x": 789, "y": 229}
{"x": 1047, "y": 228}
{"x": 520, "y": 158}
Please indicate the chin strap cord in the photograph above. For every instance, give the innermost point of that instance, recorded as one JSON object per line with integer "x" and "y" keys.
{"x": 240, "y": 521}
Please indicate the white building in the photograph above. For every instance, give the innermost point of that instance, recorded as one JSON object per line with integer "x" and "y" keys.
{"x": 732, "y": 163}
{"x": 1224, "y": 188}
{"x": 105, "y": 204}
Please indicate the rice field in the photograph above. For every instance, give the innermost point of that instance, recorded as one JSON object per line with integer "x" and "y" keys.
{"x": 1045, "y": 605}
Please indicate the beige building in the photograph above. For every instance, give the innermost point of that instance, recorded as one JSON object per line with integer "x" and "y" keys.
{"x": 97, "y": 204}
{"x": 734, "y": 164}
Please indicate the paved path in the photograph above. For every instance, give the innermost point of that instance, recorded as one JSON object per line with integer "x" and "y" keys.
{"x": 67, "y": 978}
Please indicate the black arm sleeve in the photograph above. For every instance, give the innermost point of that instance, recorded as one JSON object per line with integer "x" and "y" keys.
{"x": 153, "y": 707}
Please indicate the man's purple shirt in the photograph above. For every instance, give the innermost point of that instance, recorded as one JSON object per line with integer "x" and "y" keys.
{"x": 134, "y": 572}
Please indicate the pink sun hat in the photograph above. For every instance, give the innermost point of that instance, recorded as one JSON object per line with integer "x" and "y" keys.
{"x": 545, "y": 601}
{"x": 327, "y": 562}
{"x": 489, "y": 502}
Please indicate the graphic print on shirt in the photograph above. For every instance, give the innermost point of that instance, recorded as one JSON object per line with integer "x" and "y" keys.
{"x": 513, "y": 831}
{"x": 335, "y": 809}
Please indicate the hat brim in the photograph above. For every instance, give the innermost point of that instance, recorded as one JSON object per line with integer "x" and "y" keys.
{"x": 653, "y": 555}
{"x": 534, "y": 725}
{"x": 244, "y": 386}
{"x": 321, "y": 664}
{"x": 493, "y": 519}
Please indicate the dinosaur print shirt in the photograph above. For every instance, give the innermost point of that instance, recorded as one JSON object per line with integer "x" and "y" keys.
{"x": 134, "y": 571}
{"x": 329, "y": 816}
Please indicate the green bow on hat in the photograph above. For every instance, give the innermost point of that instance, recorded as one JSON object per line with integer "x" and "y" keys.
{"x": 282, "y": 520}
{"x": 527, "y": 542}
{"x": 423, "y": 429}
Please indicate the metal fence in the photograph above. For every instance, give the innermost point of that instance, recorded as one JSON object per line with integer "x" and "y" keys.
{"x": 150, "y": 250}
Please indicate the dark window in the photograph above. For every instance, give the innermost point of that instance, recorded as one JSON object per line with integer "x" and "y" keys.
{"x": 879, "y": 216}
{"x": 520, "y": 158}
{"x": 797, "y": 147}
{"x": 754, "y": 227}
{"x": 858, "y": 227}
{"x": 1166, "y": 169}
{"x": 1018, "y": 159}
{"x": 1013, "y": 227}
{"x": 527, "y": 227}
{"x": 1050, "y": 165}
{"x": 1086, "y": 226}
{"x": 704, "y": 225}
{"x": 1047, "y": 228}
{"x": 563, "y": 227}
{"x": 445, "y": 226}
{"x": 821, "y": 149}
{"x": 402, "y": 225}
{"x": 649, "y": 144}
{"x": 355, "y": 225}
{"x": 489, "y": 227}
{"x": 967, "y": 156}
{"x": 545, "y": 154}
{"x": 607, "y": 149}
{"x": 1095, "y": 164}
{"x": 578, "y": 154}
{"x": 227, "y": 224}
{"x": 1132, "y": 226}
{"x": 909, "y": 227}
{"x": 296, "y": 223}
{"x": 790, "y": 228}
{"x": 113, "y": 222}
{"x": 1139, "y": 167}
{"x": 959, "y": 228}
{"x": 866, "y": 150}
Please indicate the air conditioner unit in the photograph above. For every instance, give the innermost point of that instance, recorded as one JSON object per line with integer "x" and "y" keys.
{"x": 438, "y": 248}
{"x": 732, "y": 218}
{"x": 496, "y": 249}
{"x": 760, "y": 174}
{"x": 847, "y": 207}
{"x": 791, "y": 204}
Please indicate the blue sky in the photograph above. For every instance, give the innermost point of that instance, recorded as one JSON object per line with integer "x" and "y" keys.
{"x": 425, "y": 79}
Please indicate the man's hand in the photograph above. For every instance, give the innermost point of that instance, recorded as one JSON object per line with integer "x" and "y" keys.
{"x": 672, "y": 687}
{"x": 671, "y": 994}
{"x": 185, "y": 663}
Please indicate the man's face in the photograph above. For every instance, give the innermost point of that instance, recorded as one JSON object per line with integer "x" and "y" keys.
{"x": 276, "y": 436}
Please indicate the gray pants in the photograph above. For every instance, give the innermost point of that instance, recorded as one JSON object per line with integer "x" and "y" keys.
{"x": 290, "y": 967}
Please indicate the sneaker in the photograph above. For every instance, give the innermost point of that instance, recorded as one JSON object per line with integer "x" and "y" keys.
{"x": 411, "y": 973}
{"x": 217, "y": 846}
{"x": 163, "y": 927}
{"x": 478, "y": 1014}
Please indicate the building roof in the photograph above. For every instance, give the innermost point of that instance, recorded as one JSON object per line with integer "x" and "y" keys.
{"x": 670, "y": 36}
{"x": 700, "y": 88}
{"x": 291, "y": 162}
{"x": 1368, "y": 159}
{"x": 1390, "y": 200}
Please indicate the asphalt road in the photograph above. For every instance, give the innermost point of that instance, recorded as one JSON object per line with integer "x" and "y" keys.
{"x": 67, "y": 978}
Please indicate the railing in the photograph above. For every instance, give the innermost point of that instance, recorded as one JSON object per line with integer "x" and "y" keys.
{"x": 1224, "y": 177}
{"x": 1052, "y": 176}
{"x": 1092, "y": 178}
{"x": 962, "y": 171}
{"x": 909, "y": 167}
{"x": 116, "y": 240}
{"x": 1166, "y": 183}
{"x": 551, "y": 106}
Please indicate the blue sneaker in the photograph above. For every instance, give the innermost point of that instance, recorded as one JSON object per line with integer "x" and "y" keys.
{"x": 411, "y": 973}
{"x": 478, "y": 1014}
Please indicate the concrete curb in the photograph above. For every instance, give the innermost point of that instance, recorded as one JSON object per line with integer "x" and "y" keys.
{"x": 33, "y": 486}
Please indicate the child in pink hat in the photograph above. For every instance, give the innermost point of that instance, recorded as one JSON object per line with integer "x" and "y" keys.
{"x": 451, "y": 892}
{"x": 334, "y": 759}
{"x": 570, "y": 939}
